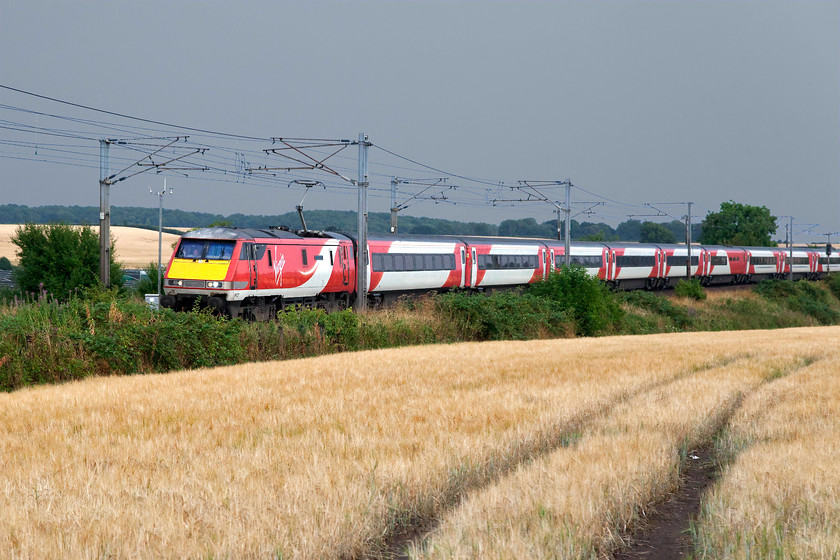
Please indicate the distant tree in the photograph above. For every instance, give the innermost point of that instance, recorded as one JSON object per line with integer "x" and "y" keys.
{"x": 5, "y": 264}
{"x": 652, "y": 232}
{"x": 739, "y": 224}
{"x": 677, "y": 229}
{"x": 59, "y": 258}
{"x": 421, "y": 229}
{"x": 478, "y": 228}
{"x": 586, "y": 230}
{"x": 525, "y": 227}
{"x": 220, "y": 223}
{"x": 597, "y": 236}
{"x": 630, "y": 230}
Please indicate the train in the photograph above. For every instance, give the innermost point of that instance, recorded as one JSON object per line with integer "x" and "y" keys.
{"x": 255, "y": 273}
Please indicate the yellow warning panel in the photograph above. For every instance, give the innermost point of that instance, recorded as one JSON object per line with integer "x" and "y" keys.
{"x": 189, "y": 269}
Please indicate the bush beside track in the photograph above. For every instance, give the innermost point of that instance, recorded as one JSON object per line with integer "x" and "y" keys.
{"x": 108, "y": 333}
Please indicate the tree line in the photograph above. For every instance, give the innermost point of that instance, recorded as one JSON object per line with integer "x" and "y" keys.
{"x": 345, "y": 221}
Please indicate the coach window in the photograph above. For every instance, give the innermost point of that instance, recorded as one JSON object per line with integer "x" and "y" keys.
{"x": 304, "y": 257}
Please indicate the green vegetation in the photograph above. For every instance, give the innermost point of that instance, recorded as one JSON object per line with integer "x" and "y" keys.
{"x": 690, "y": 289}
{"x": 59, "y": 259}
{"x": 114, "y": 332}
{"x": 588, "y": 301}
{"x": 652, "y": 232}
{"x": 5, "y": 264}
{"x": 802, "y": 297}
{"x": 739, "y": 224}
{"x": 504, "y": 315}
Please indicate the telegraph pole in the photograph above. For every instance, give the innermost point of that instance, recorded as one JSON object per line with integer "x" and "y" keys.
{"x": 568, "y": 228}
{"x": 790, "y": 251}
{"x": 104, "y": 215}
{"x": 106, "y": 180}
{"x": 687, "y": 228}
{"x": 828, "y": 249}
{"x": 688, "y": 242}
{"x": 362, "y": 249}
{"x": 160, "y": 234}
{"x": 394, "y": 208}
{"x": 535, "y": 195}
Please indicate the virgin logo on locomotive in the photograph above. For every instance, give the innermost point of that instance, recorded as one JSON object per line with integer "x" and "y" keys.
{"x": 278, "y": 269}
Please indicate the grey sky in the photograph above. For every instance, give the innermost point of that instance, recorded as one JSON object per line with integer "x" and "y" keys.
{"x": 635, "y": 101}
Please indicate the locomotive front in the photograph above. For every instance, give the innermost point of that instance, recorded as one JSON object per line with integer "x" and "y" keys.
{"x": 202, "y": 269}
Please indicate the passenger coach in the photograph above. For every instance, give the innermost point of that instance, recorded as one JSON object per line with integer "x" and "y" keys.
{"x": 254, "y": 273}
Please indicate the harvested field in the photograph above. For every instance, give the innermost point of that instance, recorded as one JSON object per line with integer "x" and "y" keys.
{"x": 508, "y": 449}
{"x": 135, "y": 247}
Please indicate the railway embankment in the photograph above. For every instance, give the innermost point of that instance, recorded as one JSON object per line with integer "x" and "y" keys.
{"x": 108, "y": 333}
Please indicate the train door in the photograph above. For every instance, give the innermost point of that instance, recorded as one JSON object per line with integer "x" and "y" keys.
{"x": 661, "y": 257}
{"x": 552, "y": 261}
{"x": 344, "y": 263}
{"x": 463, "y": 267}
{"x": 473, "y": 267}
{"x": 542, "y": 259}
{"x": 249, "y": 249}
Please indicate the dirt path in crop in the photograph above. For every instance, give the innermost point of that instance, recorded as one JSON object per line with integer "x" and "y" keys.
{"x": 665, "y": 535}
{"x": 397, "y": 544}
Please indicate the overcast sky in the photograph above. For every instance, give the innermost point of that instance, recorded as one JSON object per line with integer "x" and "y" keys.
{"x": 635, "y": 101}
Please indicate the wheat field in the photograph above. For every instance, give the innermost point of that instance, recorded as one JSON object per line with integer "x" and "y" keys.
{"x": 780, "y": 496}
{"x": 542, "y": 448}
{"x": 135, "y": 247}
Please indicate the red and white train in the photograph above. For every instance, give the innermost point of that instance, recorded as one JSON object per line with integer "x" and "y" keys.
{"x": 253, "y": 273}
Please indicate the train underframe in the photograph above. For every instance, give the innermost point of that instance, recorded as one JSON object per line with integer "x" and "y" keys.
{"x": 255, "y": 308}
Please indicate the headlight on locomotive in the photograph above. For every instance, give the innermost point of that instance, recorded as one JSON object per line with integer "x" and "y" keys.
{"x": 214, "y": 284}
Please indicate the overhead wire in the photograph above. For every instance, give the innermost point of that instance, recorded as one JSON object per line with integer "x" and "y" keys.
{"x": 236, "y": 163}
{"x": 151, "y": 121}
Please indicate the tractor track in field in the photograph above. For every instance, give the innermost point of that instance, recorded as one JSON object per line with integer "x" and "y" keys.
{"x": 397, "y": 543}
{"x": 665, "y": 534}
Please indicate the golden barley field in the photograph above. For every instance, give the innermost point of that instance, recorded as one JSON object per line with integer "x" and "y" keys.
{"x": 135, "y": 247}
{"x": 538, "y": 449}
{"x": 780, "y": 496}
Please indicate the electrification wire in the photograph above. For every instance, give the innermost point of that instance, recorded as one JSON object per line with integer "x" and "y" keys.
{"x": 151, "y": 121}
{"x": 610, "y": 199}
{"x": 433, "y": 168}
{"x": 59, "y": 134}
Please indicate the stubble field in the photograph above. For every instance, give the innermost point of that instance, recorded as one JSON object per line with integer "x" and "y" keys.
{"x": 135, "y": 247}
{"x": 539, "y": 449}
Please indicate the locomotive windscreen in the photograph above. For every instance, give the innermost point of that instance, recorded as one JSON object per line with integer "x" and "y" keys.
{"x": 205, "y": 249}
